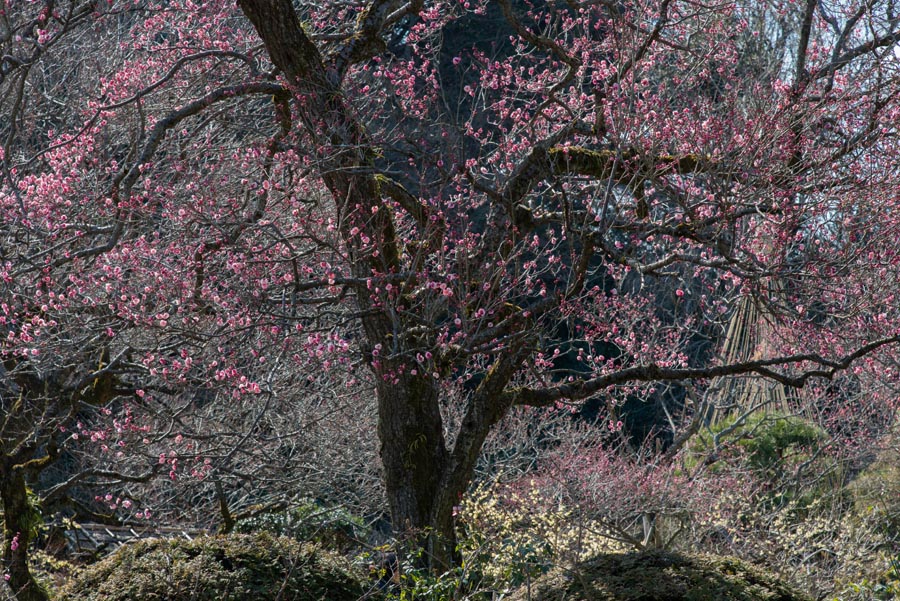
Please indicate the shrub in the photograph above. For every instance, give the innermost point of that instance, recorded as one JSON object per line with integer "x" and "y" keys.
{"x": 332, "y": 527}
{"x": 769, "y": 441}
{"x": 513, "y": 535}
{"x": 227, "y": 568}
{"x": 875, "y": 492}
{"x": 659, "y": 575}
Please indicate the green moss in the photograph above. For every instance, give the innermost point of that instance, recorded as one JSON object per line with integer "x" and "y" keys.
{"x": 227, "y": 568}
{"x": 601, "y": 163}
{"x": 575, "y": 159}
{"x": 659, "y": 576}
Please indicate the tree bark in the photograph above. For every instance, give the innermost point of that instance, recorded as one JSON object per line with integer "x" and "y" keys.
{"x": 414, "y": 457}
{"x": 16, "y": 525}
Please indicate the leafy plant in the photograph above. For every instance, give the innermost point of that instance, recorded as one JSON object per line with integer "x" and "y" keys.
{"x": 414, "y": 582}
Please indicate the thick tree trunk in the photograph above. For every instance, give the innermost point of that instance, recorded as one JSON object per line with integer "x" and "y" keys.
{"x": 17, "y": 526}
{"x": 415, "y": 456}
{"x": 424, "y": 479}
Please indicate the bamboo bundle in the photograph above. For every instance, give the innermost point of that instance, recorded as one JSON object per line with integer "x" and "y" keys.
{"x": 749, "y": 337}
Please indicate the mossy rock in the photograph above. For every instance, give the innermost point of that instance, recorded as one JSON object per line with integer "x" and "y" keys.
{"x": 659, "y": 576}
{"x": 228, "y": 568}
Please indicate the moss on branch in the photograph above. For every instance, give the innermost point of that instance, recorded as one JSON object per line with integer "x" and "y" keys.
{"x": 396, "y": 192}
{"x": 602, "y": 164}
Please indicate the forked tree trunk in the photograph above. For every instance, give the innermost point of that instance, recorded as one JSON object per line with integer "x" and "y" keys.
{"x": 17, "y": 526}
{"x": 424, "y": 479}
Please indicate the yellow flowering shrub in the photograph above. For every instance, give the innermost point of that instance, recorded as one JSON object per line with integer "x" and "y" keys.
{"x": 515, "y": 535}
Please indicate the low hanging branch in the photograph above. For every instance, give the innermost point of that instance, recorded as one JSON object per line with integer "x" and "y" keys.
{"x": 828, "y": 368}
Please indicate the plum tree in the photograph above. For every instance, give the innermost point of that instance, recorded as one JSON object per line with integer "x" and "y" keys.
{"x": 584, "y": 153}
{"x": 362, "y": 203}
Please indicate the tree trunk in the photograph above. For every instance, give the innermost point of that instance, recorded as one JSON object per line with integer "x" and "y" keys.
{"x": 424, "y": 479}
{"x": 17, "y": 526}
{"x": 414, "y": 457}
